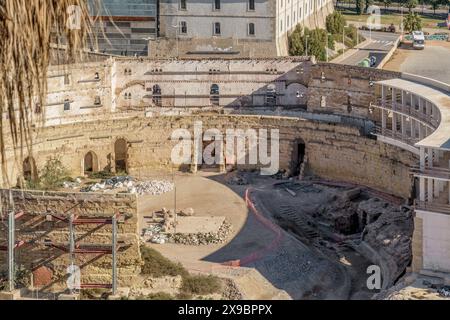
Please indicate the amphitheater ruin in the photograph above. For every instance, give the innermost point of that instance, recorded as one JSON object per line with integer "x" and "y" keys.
{"x": 351, "y": 135}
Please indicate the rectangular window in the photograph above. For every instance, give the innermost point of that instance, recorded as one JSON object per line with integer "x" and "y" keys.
{"x": 216, "y": 4}
{"x": 183, "y": 27}
{"x": 217, "y": 28}
{"x": 251, "y": 29}
{"x": 66, "y": 79}
{"x": 66, "y": 105}
{"x": 183, "y": 5}
{"x": 251, "y": 5}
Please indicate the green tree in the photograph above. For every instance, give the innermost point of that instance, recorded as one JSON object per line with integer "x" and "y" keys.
{"x": 412, "y": 22}
{"x": 335, "y": 23}
{"x": 411, "y": 4}
{"x": 387, "y": 3}
{"x": 53, "y": 174}
{"x": 296, "y": 42}
{"x": 359, "y": 6}
{"x": 317, "y": 42}
{"x": 368, "y": 3}
{"x": 435, "y": 4}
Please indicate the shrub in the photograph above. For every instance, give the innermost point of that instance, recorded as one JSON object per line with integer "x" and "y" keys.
{"x": 156, "y": 265}
{"x": 201, "y": 285}
{"x": 156, "y": 296}
{"x": 53, "y": 174}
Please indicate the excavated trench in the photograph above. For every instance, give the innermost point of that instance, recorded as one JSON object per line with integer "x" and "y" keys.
{"x": 345, "y": 225}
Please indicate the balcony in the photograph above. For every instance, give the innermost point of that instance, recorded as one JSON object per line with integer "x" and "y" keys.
{"x": 432, "y": 207}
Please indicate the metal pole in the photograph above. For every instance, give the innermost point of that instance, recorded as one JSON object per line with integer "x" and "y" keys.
{"x": 114, "y": 255}
{"x": 11, "y": 243}
{"x": 175, "y": 205}
{"x": 307, "y": 45}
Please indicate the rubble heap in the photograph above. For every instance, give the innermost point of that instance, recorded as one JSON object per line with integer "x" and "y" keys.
{"x": 129, "y": 185}
{"x": 199, "y": 239}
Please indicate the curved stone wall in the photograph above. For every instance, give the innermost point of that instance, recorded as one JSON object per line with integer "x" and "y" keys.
{"x": 333, "y": 151}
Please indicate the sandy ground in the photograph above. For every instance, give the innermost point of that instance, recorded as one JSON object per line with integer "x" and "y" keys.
{"x": 431, "y": 62}
{"x": 259, "y": 244}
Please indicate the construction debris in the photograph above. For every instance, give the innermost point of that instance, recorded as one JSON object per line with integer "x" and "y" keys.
{"x": 125, "y": 184}
{"x": 199, "y": 239}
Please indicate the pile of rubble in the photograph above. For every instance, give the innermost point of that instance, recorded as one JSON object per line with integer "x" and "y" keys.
{"x": 154, "y": 234}
{"x": 154, "y": 187}
{"x": 129, "y": 185}
{"x": 200, "y": 239}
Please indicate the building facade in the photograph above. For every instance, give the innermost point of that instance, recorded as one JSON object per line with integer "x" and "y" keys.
{"x": 125, "y": 27}
{"x": 246, "y": 28}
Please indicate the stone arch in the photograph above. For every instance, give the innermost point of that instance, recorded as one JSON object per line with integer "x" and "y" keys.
{"x": 90, "y": 163}
{"x": 121, "y": 155}
{"x": 29, "y": 169}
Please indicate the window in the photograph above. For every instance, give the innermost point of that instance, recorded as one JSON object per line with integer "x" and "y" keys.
{"x": 157, "y": 96}
{"x": 66, "y": 79}
{"x": 251, "y": 29}
{"x": 281, "y": 25}
{"x": 97, "y": 101}
{"x": 215, "y": 95}
{"x": 251, "y": 5}
{"x": 217, "y": 28}
{"x": 183, "y": 5}
{"x": 271, "y": 95}
{"x": 97, "y": 76}
{"x": 66, "y": 105}
{"x": 216, "y": 4}
{"x": 183, "y": 27}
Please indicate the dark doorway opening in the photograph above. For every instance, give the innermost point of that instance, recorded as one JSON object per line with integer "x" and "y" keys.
{"x": 121, "y": 155}
{"x": 29, "y": 170}
{"x": 298, "y": 156}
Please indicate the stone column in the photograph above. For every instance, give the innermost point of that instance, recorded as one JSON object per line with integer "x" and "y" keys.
{"x": 422, "y": 189}
{"x": 430, "y": 190}
{"x": 383, "y": 120}
{"x": 403, "y": 125}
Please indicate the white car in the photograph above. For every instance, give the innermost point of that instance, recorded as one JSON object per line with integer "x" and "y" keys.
{"x": 418, "y": 40}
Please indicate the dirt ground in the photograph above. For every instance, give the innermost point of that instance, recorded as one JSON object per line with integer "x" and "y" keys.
{"x": 283, "y": 258}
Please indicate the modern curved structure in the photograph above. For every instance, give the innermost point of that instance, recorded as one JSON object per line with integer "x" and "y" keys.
{"x": 415, "y": 115}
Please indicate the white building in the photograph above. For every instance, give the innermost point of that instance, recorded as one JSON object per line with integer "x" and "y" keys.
{"x": 250, "y": 28}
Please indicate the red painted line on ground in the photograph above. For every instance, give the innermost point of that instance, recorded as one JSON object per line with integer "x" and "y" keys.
{"x": 266, "y": 222}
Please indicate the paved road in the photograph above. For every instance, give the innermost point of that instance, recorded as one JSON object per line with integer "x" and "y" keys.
{"x": 380, "y": 45}
{"x": 433, "y": 62}
{"x": 394, "y": 9}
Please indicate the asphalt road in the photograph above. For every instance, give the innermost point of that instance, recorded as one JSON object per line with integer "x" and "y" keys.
{"x": 432, "y": 62}
{"x": 380, "y": 45}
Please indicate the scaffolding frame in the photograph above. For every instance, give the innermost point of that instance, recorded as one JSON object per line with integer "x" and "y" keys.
{"x": 74, "y": 249}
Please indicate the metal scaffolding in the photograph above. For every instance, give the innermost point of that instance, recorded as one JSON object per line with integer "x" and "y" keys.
{"x": 74, "y": 248}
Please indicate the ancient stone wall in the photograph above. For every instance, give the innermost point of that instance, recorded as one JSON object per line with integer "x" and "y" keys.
{"x": 333, "y": 151}
{"x": 343, "y": 89}
{"x": 38, "y": 229}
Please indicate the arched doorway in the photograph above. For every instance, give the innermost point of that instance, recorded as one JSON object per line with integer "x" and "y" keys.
{"x": 121, "y": 155}
{"x": 157, "y": 96}
{"x": 215, "y": 95}
{"x": 30, "y": 173}
{"x": 90, "y": 163}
